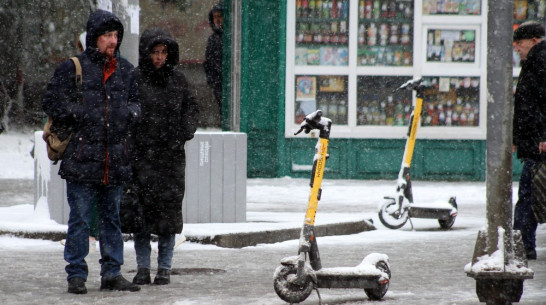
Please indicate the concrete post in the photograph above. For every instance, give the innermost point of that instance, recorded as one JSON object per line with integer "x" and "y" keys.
{"x": 499, "y": 121}
{"x": 497, "y": 285}
{"x": 128, "y": 11}
{"x": 235, "y": 85}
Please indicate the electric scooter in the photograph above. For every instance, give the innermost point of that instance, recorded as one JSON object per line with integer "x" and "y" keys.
{"x": 395, "y": 212}
{"x": 297, "y": 276}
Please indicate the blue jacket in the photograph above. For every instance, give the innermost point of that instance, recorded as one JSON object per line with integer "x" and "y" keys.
{"x": 99, "y": 115}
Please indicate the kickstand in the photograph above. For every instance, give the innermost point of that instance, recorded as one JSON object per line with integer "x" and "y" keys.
{"x": 411, "y": 223}
{"x": 318, "y": 294}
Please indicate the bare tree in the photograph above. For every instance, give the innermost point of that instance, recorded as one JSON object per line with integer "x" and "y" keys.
{"x": 36, "y": 36}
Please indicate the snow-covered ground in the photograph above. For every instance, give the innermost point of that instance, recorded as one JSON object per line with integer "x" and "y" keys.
{"x": 15, "y": 150}
{"x": 271, "y": 203}
{"x": 280, "y": 203}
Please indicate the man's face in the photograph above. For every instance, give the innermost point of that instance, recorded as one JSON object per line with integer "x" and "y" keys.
{"x": 107, "y": 43}
{"x": 217, "y": 19}
{"x": 523, "y": 46}
{"x": 159, "y": 55}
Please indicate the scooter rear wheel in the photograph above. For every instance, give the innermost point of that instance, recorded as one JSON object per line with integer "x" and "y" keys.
{"x": 287, "y": 290}
{"x": 390, "y": 216}
{"x": 446, "y": 224}
{"x": 378, "y": 293}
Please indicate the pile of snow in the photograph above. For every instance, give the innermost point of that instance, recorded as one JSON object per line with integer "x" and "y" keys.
{"x": 17, "y": 162}
{"x": 498, "y": 262}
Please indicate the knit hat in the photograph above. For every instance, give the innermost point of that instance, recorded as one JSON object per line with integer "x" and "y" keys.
{"x": 529, "y": 30}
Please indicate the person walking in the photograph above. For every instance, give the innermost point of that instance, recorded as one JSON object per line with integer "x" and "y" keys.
{"x": 95, "y": 163}
{"x": 213, "y": 52}
{"x": 169, "y": 119}
{"x": 529, "y": 123}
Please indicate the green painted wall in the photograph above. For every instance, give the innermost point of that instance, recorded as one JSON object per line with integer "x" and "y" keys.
{"x": 381, "y": 159}
{"x": 270, "y": 154}
{"x": 262, "y": 84}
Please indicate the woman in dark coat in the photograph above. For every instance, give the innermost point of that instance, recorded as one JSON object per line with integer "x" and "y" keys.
{"x": 169, "y": 119}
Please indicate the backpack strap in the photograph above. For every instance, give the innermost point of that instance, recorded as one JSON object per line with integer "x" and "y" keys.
{"x": 78, "y": 71}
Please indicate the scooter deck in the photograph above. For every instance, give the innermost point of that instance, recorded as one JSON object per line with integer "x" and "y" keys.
{"x": 443, "y": 213}
{"x": 347, "y": 278}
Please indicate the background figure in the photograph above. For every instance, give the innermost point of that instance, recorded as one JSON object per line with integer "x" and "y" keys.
{"x": 80, "y": 42}
{"x": 95, "y": 163}
{"x": 213, "y": 53}
{"x": 169, "y": 119}
{"x": 529, "y": 123}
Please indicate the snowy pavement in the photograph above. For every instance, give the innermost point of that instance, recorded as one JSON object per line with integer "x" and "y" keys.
{"x": 426, "y": 263}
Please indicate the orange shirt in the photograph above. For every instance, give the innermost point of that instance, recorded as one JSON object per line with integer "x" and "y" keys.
{"x": 109, "y": 68}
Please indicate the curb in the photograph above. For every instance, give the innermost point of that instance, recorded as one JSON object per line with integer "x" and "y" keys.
{"x": 54, "y": 236}
{"x": 240, "y": 240}
{"x": 235, "y": 240}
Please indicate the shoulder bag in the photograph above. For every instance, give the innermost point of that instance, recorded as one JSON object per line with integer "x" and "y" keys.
{"x": 56, "y": 147}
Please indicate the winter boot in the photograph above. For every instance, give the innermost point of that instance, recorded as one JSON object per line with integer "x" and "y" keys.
{"x": 531, "y": 254}
{"x": 76, "y": 285}
{"x": 142, "y": 277}
{"x": 163, "y": 277}
{"x": 118, "y": 283}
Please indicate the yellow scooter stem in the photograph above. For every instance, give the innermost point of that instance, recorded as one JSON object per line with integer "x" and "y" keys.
{"x": 410, "y": 144}
{"x": 321, "y": 151}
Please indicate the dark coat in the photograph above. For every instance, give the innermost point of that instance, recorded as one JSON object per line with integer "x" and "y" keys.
{"x": 213, "y": 56}
{"x": 529, "y": 123}
{"x": 169, "y": 119}
{"x": 97, "y": 152}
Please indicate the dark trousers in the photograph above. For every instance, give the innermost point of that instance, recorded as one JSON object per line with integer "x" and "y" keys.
{"x": 524, "y": 219}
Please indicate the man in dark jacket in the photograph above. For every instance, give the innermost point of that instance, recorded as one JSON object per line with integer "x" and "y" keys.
{"x": 169, "y": 119}
{"x": 529, "y": 128}
{"x": 213, "y": 52}
{"x": 95, "y": 163}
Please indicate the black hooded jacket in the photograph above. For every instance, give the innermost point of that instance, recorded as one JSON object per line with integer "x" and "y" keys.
{"x": 213, "y": 54}
{"x": 99, "y": 116}
{"x": 169, "y": 119}
{"x": 529, "y": 122}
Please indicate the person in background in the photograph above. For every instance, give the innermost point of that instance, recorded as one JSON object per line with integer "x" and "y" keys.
{"x": 529, "y": 123}
{"x": 95, "y": 163}
{"x": 169, "y": 119}
{"x": 80, "y": 42}
{"x": 213, "y": 53}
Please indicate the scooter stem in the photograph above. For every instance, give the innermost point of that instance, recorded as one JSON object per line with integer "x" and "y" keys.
{"x": 308, "y": 243}
{"x": 319, "y": 162}
{"x": 410, "y": 143}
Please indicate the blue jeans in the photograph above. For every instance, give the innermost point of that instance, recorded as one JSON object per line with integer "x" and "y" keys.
{"x": 80, "y": 199}
{"x": 143, "y": 249}
{"x": 524, "y": 219}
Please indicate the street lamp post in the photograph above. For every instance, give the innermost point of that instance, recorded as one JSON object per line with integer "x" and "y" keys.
{"x": 499, "y": 264}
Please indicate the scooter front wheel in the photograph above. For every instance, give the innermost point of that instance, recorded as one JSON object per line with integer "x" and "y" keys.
{"x": 378, "y": 293}
{"x": 391, "y": 216}
{"x": 287, "y": 289}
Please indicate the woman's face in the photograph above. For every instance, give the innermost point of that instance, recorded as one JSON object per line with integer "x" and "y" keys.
{"x": 159, "y": 55}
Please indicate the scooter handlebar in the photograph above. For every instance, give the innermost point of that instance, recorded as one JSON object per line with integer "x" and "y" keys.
{"x": 411, "y": 84}
{"x": 315, "y": 120}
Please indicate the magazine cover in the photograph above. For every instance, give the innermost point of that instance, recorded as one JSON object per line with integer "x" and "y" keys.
{"x": 306, "y": 88}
